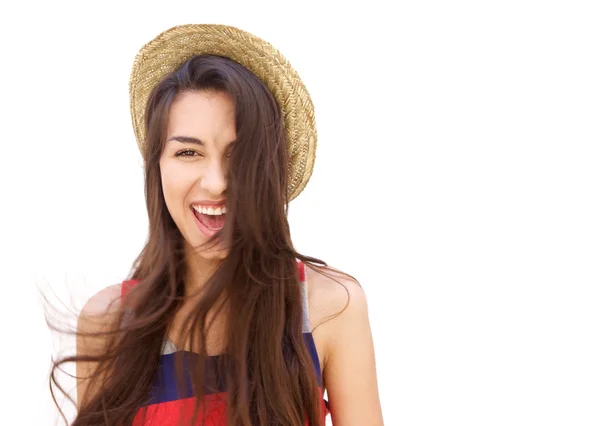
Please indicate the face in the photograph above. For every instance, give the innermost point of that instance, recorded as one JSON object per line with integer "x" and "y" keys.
{"x": 193, "y": 166}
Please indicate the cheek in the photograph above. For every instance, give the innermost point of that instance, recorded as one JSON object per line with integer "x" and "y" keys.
{"x": 177, "y": 181}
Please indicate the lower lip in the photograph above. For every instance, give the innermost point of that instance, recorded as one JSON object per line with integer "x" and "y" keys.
{"x": 203, "y": 228}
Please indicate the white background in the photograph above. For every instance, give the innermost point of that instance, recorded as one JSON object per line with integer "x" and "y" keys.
{"x": 457, "y": 178}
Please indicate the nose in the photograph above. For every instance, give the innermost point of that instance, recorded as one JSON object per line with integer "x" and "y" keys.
{"x": 214, "y": 179}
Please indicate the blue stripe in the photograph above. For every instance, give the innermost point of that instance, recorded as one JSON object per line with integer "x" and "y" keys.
{"x": 164, "y": 388}
{"x": 312, "y": 350}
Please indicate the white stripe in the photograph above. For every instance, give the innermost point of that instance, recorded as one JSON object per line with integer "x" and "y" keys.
{"x": 305, "y": 316}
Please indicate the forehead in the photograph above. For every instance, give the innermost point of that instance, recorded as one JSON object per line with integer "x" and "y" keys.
{"x": 206, "y": 115}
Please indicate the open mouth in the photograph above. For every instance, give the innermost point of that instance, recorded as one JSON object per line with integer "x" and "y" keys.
{"x": 212, "y": 218}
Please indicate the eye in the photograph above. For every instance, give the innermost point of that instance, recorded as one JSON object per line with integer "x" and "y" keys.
{"x": 186, "y": 153}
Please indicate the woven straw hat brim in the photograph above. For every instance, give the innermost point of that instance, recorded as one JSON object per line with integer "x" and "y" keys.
{"x": 169, "y": 50}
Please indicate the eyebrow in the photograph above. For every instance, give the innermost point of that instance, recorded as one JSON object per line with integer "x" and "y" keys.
{"x": 186, "y": 139}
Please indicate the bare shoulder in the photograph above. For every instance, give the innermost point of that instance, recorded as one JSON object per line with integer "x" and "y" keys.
{"x": 345, "y": 345}
{"x": 105, "y": 302}
{"x": 99, "y": 315}
{"x": 100, "y": 312}
{"x": 333, "y": 294}
{"x": 337, "y": 304}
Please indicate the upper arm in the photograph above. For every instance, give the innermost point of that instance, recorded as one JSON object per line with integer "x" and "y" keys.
{"x": 349, "y": 372}
{"x": 98, "y": 315}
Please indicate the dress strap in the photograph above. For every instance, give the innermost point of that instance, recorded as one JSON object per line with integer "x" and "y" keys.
{"x": 305, "y": 316}
{"x": 126, "y": 286}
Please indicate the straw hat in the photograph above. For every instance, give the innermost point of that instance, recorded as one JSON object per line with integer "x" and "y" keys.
{"x": 172, "y": 48}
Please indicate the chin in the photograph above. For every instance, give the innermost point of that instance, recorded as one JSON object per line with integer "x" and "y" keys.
{"x": 215, "y": 252}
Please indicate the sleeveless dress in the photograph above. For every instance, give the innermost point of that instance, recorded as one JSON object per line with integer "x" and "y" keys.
{"x": 167, "y": 404}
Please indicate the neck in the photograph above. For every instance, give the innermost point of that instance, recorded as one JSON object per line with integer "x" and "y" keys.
{"x": 199, "y": 270}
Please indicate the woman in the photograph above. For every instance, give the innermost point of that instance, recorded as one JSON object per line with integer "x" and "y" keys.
{"x": 222, "y": 321}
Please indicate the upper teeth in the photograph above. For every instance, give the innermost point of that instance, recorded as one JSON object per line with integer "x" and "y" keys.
{"x": 215, "y": 211}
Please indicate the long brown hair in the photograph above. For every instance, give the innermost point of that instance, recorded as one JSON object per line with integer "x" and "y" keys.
{"x": 269, "y": 375}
